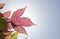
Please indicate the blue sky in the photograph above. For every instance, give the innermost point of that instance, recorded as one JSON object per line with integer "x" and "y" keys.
{"x": 45, "y": 13}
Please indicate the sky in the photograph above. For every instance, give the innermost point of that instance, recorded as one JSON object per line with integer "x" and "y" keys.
{"x": 44, "y": 13}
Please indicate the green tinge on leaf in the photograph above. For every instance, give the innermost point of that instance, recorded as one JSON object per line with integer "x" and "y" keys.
{"x": 3, "y": 24}
{"x": 14, "y": 36}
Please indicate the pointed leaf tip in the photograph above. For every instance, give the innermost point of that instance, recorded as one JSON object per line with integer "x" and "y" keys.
{"x": 26, "y": 22}
{"x": 18, "y": 13}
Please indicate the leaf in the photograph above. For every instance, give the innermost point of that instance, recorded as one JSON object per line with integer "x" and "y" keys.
{"x": 7, "y": 14}
{"x": 14, "y": 36}
{"x": 13, "y": 25}
{"x": 9, "y": 26}
{"x": 18, "y": 13}
{"x": 3, "y": 24}
{"x": 23, "y": 21}
{"x": 20, "y": 29}
{"x": 26, "y": 22}
{"x": 16, "y": 21}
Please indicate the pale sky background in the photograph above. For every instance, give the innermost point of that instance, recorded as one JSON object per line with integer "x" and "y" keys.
{"x": 44, "y": 13}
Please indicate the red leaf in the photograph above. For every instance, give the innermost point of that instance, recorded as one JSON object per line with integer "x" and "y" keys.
{"x": 18, "y": 13}
{"x": 22, "y": 21}
{"x": 9, "y": 26}
{"x": 7, "y": 14}
{"x": 20, "y": 29}
{"x": 16, "y": 21}
{"x": 26, "y": 22}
